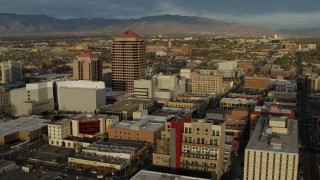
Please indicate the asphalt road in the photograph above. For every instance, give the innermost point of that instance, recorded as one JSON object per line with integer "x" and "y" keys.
{"x": 309, "y": 152}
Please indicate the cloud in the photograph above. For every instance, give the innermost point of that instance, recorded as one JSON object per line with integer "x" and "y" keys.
{"x": 271, "y": 13}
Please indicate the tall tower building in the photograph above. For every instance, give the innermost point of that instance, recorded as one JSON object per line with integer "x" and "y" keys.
{"x": 186, "y": 49}
{"x": 10, "y": 71}
{"x": 273, "y": 150}
{"x": 87, "y": 66}
{"x": 128, "y": 61}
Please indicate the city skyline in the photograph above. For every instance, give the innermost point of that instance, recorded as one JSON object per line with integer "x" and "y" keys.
{"x": 272, "y": 14}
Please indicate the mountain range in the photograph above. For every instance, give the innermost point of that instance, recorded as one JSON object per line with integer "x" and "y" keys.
{"x": 21, "y": 24}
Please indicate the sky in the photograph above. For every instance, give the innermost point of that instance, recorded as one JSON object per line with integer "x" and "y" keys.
{"x": 275, "y": 14}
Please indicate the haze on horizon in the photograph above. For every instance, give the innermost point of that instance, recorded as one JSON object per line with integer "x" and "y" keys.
{"x": 275, "y": 14}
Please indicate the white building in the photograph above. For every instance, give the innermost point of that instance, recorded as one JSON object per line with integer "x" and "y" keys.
{"x": 161, "y": 53}
{"x": 35, "y": 98}
{"x": 186, "y": 73}
{"x": 11, "y": 71}
{"x": 227, "y": 65}
{"x": 272, "y": 151}
{"x": 160, "y": 87}
{"x": 84, "y": 96}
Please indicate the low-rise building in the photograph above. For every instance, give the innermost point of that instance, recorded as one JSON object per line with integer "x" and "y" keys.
{"x": 231, "y": 103}
{"x": 272, "y": 110}
{"x": 6, "y": 166}
{"x": 124, "y": 149}
{"x": 83, "y": 128}
{"x": 124, "y": 109}
{"x": 144, "y": 174}
{"x": 23, "y": 129}
{"x": 256, "y": 83}
{"x": 136, "y": 130}
{"x": 273, "y": 150}
{"x": 97, "y": 163}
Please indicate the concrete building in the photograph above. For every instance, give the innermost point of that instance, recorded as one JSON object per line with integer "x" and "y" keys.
{"x": 87, "y": 66}
{"x": 7, "y": 166}
{"x": 5, "y": 107}
{"x": 227, "y": 65}
{"x": 124, "y": 109}
{"x": 136, "y": 130}
{"x": 186, "y": 49}
{"x": 83, "y": 96}
{"x": 96, "y": 163}
{"x": 67, "y": 131}
{"x": 23, "y": 129}
{"x": 272, "y": 151}
{"x": 128, "y": 61}
{"x": 161, "y": 87}
{"x": 313, "y": 84}
{"x": 10, "y": 71}
{"x": 144, "y": 174}
{"x": 272, "y": 110}
{"x": 124, "y": 149}
{"x": 207, "y": 82}
{"x": 256, "y": 83}
{"x": 236, "y": 124}
{"x": 191, "y": 145}
{"x": 230, "y": 103}
{"x": 35, "y": 98}
{"x": 283, "y": 85}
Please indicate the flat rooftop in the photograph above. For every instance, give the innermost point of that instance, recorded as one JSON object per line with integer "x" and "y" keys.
{"x": 25, "y": 124}
{"x": 88, "y": 117}
{"x": 144, "y": 175}
{"x": 167, "y": 111}
{"x": 154, "y": 118}
{"x": 141, "y": 125}
{"x": 125, "y": 105}
{"x": 60, "y": 122}
{"x": 52, "y": 76}
{"x": 233, "y": 100}
{"x": 109, "y": 160}
{"x": 261, "y": 139}
{"x": 266, "y": 109}
{"x": 126, "y": 147}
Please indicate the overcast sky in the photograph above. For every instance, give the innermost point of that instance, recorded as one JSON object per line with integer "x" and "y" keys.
{"x": 269, "y": 13}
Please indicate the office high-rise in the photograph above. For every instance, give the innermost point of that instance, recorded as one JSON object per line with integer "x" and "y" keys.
{"x": 128, "y": 61}
{"x": 87, "y": 66}
{"x": 10, "y": 71}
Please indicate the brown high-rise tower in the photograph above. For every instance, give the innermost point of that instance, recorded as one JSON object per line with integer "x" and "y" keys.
{"x": 128, "y": 61}
{"x": 87, "y": 66}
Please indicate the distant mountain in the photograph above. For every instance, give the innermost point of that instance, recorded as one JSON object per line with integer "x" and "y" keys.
{"x": 19, "y": 24}
{"x": 314, "y": 32}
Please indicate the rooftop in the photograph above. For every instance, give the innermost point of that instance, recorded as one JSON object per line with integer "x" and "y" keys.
{"x": 168, "y": 111}
{"x": 129, "y": 34}
{"x": 25, "y": 124}
{"x": 109, "y": 160}
{"x": 117, "y": 146}
{"x": 125, "y": 105}
{"x": 88, "y": 54}
{"x": 232, "y": 100}
{"x": 143, "y": 174}
{"x": 263, "y": 137}
{"x": 88, "y": 117}
{"x": 141, "y": 125}
{"x": 51, "y": 76}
